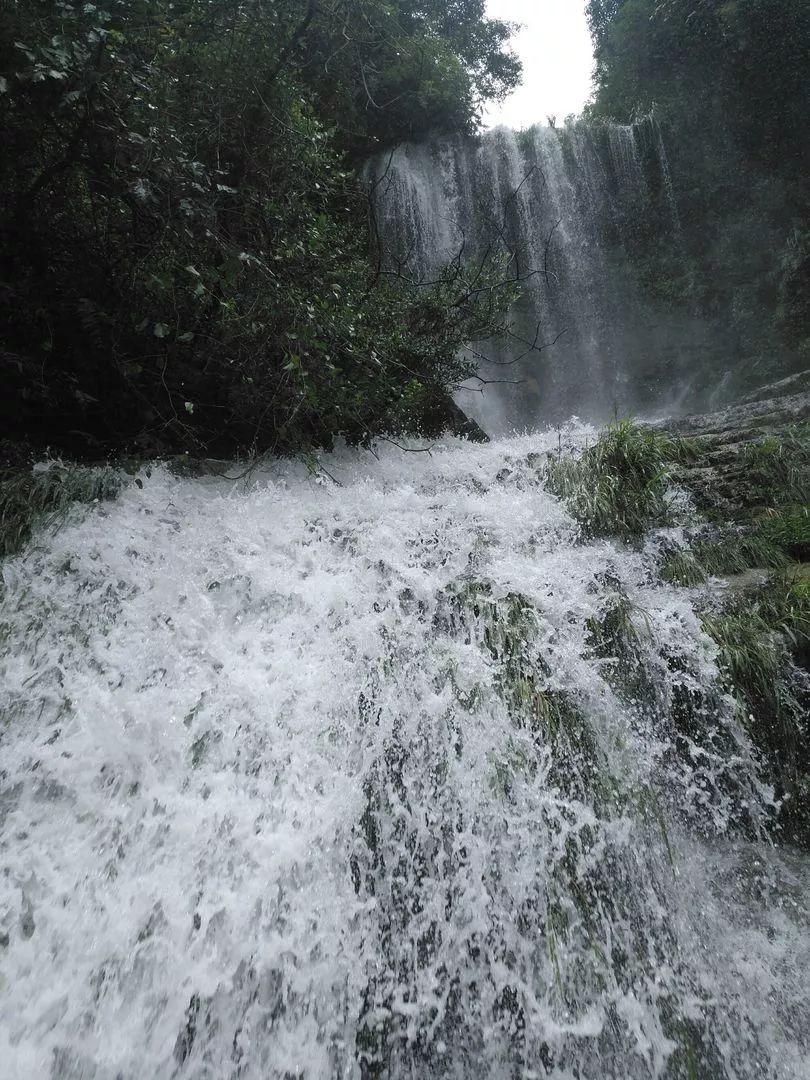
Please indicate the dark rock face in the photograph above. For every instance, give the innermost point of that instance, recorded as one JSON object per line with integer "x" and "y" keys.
{"x": 446, "y": 416}
{"x": 744, "y": 446}
{"x": 792, "y": 386}
{"x": 760, "y": 413}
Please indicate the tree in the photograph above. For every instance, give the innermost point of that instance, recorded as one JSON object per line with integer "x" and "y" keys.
{"x": 185, "y": 246}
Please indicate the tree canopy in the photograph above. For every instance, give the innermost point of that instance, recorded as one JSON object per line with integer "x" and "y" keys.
{"x": 746, "y": 61}
{"x": 187, "y": 260}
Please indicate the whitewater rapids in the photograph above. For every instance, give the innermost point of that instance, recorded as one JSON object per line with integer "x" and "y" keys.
{"x": 317, "y": 773}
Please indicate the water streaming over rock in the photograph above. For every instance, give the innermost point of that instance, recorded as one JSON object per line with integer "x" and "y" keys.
{"x": 398, "y": 778}
{"x": 571, "y": 207}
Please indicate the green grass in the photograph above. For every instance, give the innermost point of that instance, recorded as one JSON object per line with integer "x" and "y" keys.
{"x": 617, "y": 487}
{"x": 726, "y": 552}
{"x": 683, "y": 568}
{"x": 788, "y": 528}
{"x": 737, "y": 550}
{"x": 763, "y": 636}
{"x": 614, "y": 639}
{"x": 779, "y": 468}
{"x": 782, "y": 463}
{"x": 758, "y": 633}
{"x": 786, "y": 604}
{"x": 36, "y": 500}
{"x": 751, "y": 652}
{"x": 762, "y": 632}
{"x": 506, "y": 629}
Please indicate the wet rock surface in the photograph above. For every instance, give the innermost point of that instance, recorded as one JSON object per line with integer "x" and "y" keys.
{"x": 744, "y": 448}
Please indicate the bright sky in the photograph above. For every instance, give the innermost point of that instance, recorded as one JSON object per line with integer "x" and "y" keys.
{"x": 555, "y": 47}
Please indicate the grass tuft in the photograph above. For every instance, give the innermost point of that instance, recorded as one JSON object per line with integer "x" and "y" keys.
{"x": 683, "y": 568}
{"x": 782, "y": 463}
{"x": 617, "y": 487}
{"x": 788, "y": 528}
{"x": 764, "y": 640}
{"x": 751, "y": 652}
{"x": 738, "y": 550}
{"x": 41, "y": 499}
{"x": 723, "y": 553}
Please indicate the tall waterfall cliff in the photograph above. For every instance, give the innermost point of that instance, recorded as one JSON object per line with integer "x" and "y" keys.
{"x": 568, "y": 207}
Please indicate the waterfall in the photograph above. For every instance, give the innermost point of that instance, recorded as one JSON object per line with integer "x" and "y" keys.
{"x": 396, "y": 778}
{"x": 577, "y": 210}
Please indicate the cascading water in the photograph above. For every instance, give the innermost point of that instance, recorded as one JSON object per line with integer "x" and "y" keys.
{"x": 397, "y": 778}
{"x": 570, "y": 206}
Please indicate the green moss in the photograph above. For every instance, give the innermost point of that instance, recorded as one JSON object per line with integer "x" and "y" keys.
{"x": 31, "y": 500}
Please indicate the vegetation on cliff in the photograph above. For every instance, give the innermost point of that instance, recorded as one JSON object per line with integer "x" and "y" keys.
{"x": 744, "y": 564}
{"x": 727, "y": 80}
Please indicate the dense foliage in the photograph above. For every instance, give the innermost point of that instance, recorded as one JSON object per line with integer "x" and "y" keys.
{"x": 187, "y": 253}
{"x": 728, "y": 79}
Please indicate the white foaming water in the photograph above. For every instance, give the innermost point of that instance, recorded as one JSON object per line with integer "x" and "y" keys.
{"x": 306, "y": 780}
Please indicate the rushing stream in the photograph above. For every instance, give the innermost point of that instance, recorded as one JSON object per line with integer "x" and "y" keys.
{"x": 387, "y": 777}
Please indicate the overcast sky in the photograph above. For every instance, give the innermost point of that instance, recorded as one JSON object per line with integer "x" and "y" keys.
{"x": 555, "y": 48}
